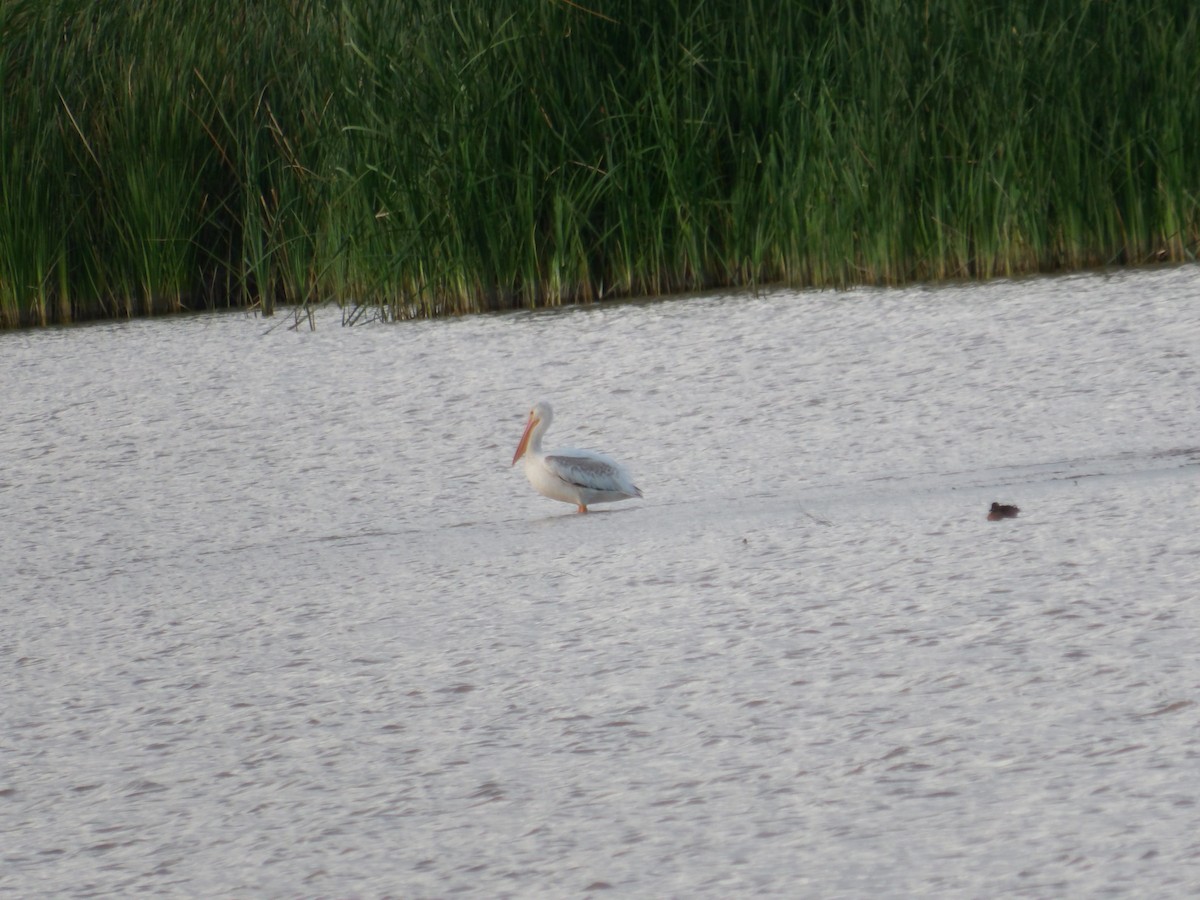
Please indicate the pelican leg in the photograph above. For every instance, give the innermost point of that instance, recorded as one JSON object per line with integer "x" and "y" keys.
{"x": 582, "y": 508}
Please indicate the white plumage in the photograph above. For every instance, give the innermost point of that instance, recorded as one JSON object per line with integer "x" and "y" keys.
{"x": 581, "y": 477}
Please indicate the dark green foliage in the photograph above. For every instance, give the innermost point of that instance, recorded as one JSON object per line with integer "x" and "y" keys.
{"x": 444, "y": 157}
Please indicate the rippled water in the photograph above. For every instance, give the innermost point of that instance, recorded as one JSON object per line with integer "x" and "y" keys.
{"x": 278, "y": 618}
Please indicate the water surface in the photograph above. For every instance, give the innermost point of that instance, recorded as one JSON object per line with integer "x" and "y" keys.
{"x": 278, "y": 618}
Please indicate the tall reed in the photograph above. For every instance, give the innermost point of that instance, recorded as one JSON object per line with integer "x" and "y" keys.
{"x": 445, "y": 157}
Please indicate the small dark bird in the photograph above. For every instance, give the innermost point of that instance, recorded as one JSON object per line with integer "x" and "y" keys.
{"x": 999, "y": 512}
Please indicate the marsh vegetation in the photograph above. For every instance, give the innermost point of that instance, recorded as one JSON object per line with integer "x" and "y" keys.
{"x": 426, "y": 158}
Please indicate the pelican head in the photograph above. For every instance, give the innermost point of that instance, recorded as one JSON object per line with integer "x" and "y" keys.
{"x": 540, "y": 417}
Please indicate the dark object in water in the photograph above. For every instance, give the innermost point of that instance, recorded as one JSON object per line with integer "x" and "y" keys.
{"x": 999, "y": 512}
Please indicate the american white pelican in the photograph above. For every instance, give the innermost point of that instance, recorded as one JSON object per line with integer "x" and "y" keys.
{"x": 572, "y": 476}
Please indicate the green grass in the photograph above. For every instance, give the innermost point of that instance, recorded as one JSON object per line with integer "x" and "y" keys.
{"x": 433, "y": 158}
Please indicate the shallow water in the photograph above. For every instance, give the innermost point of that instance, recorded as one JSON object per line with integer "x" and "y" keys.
{"x": 279, "y": 619}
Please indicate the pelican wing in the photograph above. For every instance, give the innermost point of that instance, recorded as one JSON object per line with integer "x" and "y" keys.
{"x": 591, "y": 471}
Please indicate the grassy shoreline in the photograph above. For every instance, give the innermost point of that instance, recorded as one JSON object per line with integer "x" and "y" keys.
{"x": 434, "y": 158}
